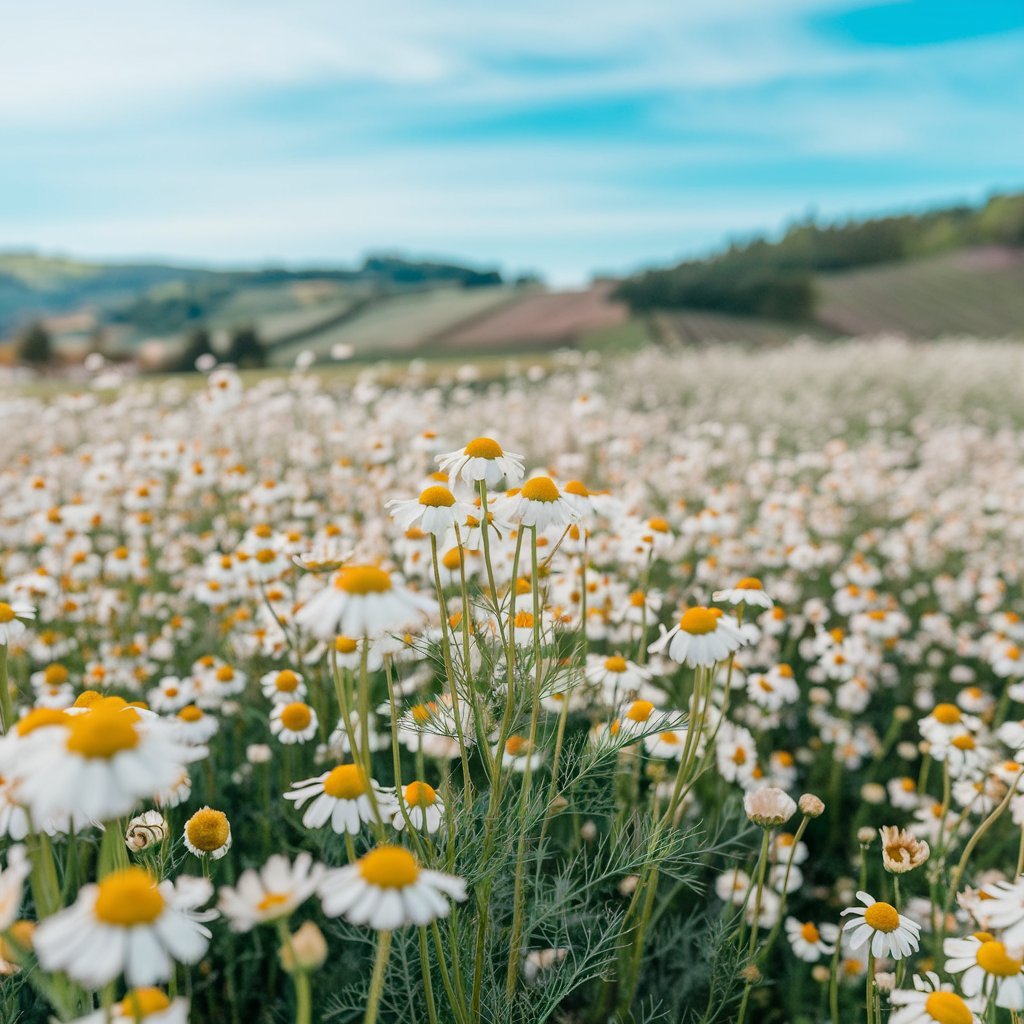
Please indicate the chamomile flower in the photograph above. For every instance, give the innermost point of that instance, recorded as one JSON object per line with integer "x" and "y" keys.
{"x": 99, "y": 762}
{"x": 283, "y": 687}
{"x": 435, "y": 511}
{"x": 888, "y": 931}
{"x": 273, "y": 892}
{"x": 988, "y": 969}
{"x": 483, "y": 459}
{"x": 141, "y": 1006}
{"x": 540, "y": 504}
{"x": 930, "y": 1002}
{"x": 701, "y": 638}
{"x": 208, "y": 834}
{"x": 423, "y": 805}
{"x": 387, "y": 889}
{"x": 362, "y": 600}
{"x": 748, "y": 591}
{"x": 295, "y": 722}
{"x": 344, "y": 797}
{"x": 811, "y": 942}
{"x": 126, "y": 924}
{"x": 12, "y": 620}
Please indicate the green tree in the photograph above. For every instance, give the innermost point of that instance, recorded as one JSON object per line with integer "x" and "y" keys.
{"x": 246, "y": 350}
{"x": 196, "y": 344}
{"x": 35, "y": 345}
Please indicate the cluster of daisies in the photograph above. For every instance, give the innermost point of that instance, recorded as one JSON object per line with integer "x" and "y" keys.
{"x": 250, "y": 675}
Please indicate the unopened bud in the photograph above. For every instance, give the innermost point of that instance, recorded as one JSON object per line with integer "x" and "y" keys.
{"x": 750, "y": 974}
{"x": 628, "y": 885}
{"x": 588, "y": 831}
{"x": 307, "y": 950}
{"x": 811, "y": 806}
{"x": 865, "y": 836}
{"x": 145, "y": 831}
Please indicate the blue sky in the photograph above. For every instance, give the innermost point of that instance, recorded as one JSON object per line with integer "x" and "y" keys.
{"x": 564, "y": 136}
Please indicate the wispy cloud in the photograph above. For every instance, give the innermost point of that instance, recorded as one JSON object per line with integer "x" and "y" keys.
{"x": 567, "y": 135}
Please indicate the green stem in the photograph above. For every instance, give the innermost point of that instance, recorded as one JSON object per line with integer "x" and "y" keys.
{"x": 380, "y": 962}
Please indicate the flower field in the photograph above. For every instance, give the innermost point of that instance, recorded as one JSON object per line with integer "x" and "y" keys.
{"x": 668, "y": 688}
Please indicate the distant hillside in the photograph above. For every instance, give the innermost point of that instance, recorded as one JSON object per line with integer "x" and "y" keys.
{"x": 143, "y": 300}
{"x": 782, "y": 279}
{"x": 977, "y": 291}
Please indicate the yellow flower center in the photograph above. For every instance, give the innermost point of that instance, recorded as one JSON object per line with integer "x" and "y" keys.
{"x": 363, "y": 579}
{"x": 287, "y": 681}
{"x": 224, "y": 674}
{"x": 668, "y": 737}
{"x": 698, "y": 621}
{"x": 437, "y": 497}
{"x": 6, "y": 612}
{"x": 208, "y": 830}
{"x": 452, "y": 558}
{"x": 420, "y": 794}
{"x": 389, "y": 867}
{"x": 540, "y": 488}
{"x": 947, "y": 714}
{"x": 515, "y": 746}
{"x": 640, "y": 711}
{"x": 524, "y": 620}
{"x": 948, "y": 1008}
{"x": 55, "y": 675}
{"x": 616, "y": 663}
{"x": 578, "y": 488}
{"x": 751, "y": 583}
{"x": 964, "y": 742}
{"x": 345, "y": 645}
{"x": 128, "y": 898}
{"x": 296, "y": 717}
{"x": 993, "y": 959}
{"x": 346, "y": 782}
{"x": 882, "y": 917}
{"x": 103, "y": 732}
{"x": 272, "y": 900}
{"x": 483, "y": 448}
{"x": 37, "y": 718}
{"x": 142, "y": 1002}
{"x": 809, "y": 932}
{"x": 190, "y": 713}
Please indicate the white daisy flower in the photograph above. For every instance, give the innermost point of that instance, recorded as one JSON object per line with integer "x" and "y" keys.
{"x": 141, "y": 1006}
{"x": 701, "y": 637}
{"x": 283, "y": 686}
{"x": 988, "y": 969}
{"x": 11, "y": 620}
{"x": 811, "y": 942}
{"x": 293, "y": 723}
{"x": 362, "y": 600}
{"x": 482, "y": 459}
{"x": 748, "y": 591}
{"x": 386, "y": 889}
{"x": 342, "y": 796}
{"x": 126, "y": 924}
{"x": 12, "y": 880}
{"x": 930, "y": 1002}
{"x": 890, "y": 933}
{"x": 541, "y": 505}
{"x": 273, "y": 892}
{"x": 99, "y": 762}
{"x": 423, "y": 805}
{"x": 435, "y": 511}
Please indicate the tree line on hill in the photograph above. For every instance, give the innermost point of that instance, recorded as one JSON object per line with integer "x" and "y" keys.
{"x": 776, "y": 279}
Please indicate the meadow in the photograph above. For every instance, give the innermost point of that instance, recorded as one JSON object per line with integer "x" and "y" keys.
{"x": 681, "y": 685}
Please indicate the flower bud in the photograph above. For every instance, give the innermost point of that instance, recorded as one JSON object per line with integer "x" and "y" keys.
{"x": 811, "y": 806}
{"x": 145, "y": 831}
{"x": 307, "y": 950}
